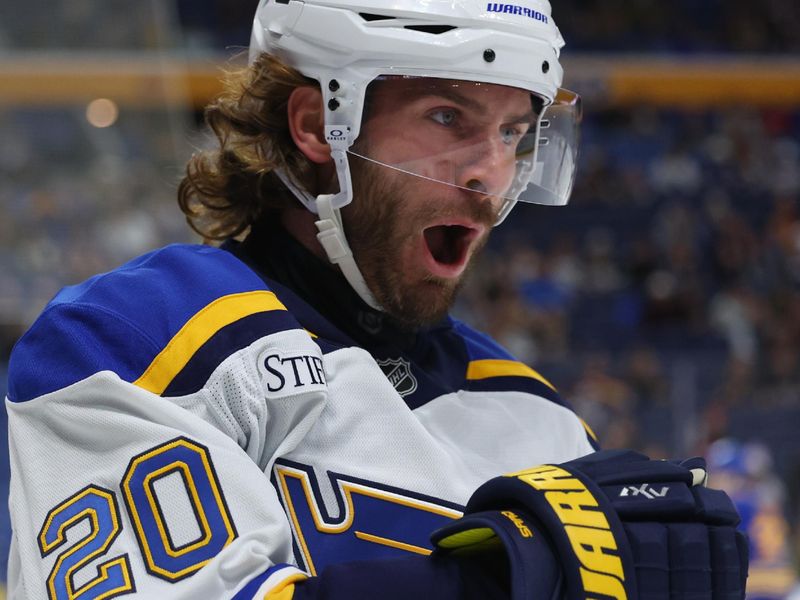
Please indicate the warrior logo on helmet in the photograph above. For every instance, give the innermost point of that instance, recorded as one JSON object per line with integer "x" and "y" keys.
{"x": 515, "y": 9}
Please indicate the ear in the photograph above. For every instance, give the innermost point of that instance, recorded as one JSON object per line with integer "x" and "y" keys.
{"x": 307, "y": 124}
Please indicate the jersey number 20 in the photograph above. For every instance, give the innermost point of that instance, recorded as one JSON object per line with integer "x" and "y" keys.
{"x": 98, "y": 508}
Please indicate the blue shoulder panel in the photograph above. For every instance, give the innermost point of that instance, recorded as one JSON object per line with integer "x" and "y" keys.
{"x": 479, "y": 345}
{"x": 162, "y": 321}
{"x": 492, "y": 368}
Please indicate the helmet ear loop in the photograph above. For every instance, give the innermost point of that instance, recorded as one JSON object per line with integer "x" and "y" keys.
{"x": 331, "y": 234}
{"x": 345, "y": 194}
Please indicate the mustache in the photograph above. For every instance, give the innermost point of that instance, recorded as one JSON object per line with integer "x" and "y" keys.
{"x": 457, "y": 204}
{"x": 445, "y": 201}
{"x": 479, "y": 207}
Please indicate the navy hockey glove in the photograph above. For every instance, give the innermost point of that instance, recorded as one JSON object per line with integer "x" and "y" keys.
{"x": 619, "y": 526}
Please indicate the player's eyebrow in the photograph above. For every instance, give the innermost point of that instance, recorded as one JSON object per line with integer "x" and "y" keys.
{"x": 449, "y": 93}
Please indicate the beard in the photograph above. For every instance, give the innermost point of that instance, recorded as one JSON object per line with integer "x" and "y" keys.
{"x": 385, "y": 217}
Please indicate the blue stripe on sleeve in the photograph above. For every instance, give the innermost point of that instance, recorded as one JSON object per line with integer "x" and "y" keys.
{"x": 70, "y": 342}
{"x": 119, "y": 321}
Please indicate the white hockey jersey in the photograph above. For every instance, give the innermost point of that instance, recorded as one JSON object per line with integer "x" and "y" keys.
{"x": 187, "y": 427}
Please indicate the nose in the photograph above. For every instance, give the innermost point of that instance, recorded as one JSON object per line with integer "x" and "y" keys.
{"x": 487, "y": 167}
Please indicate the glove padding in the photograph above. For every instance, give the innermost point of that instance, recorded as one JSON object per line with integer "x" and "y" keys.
{"x": 617, "y": 524}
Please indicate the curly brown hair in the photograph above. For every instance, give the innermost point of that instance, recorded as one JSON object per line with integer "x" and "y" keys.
{"x": 227, "y": 189}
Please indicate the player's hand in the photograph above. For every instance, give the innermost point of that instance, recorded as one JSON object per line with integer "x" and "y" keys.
{"x": 616, "y": 524}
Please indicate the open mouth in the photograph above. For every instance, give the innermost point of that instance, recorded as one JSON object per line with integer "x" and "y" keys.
{"x": 449, "y": 244}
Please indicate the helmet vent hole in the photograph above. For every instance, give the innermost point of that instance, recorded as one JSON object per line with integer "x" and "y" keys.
{"x": 373, "y": 17}
{"x": 434, "y": 29}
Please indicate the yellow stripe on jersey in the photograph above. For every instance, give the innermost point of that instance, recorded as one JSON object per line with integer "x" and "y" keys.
{"x": 376, "y": 539}
{"x": 589, "y": 430}
{"x": 198, "y": 330}
{"x": 285, "y": 589}
{"x": 484, "y": 369}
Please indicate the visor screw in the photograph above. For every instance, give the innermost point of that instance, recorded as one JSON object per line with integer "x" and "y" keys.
{"x": 333, "y": 85}
{"x": 489, "y": 55}
{"x": 545, "y": 67}
{"x": 333, "y": 104}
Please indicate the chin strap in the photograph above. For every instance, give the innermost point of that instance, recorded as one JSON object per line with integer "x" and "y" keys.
{"x": 331, "y": 231}
{"x": 331, "y": 236}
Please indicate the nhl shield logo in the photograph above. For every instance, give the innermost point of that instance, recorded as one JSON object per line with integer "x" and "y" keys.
{"x": 398, "y": 372}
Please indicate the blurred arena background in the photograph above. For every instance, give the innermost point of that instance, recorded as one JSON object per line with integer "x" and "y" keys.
{"x": 664, "y": 301}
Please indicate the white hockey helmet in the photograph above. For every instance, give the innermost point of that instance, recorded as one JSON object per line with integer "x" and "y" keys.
{"x": 346, "y": 45}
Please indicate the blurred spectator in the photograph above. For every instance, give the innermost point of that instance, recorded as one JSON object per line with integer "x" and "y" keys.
{"x": 680, "y": 26}
{"x": 82, "y": 24}
{"x": 745, "y": 472}
{"x": 644, "y": 373}
{"x": 606, "y": 402}
{"x": 734, "y": 312}
{"x": 216, "y": 24}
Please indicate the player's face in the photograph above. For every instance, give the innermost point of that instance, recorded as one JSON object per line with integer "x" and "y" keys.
{"x": 414, "y": 237}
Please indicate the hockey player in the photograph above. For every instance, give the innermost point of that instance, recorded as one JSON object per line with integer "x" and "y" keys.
{"x": 295, "y": 415}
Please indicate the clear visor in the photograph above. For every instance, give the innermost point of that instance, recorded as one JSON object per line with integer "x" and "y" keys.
{"x": 492, "y": 139}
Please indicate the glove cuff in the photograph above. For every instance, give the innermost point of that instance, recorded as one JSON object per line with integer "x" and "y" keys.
{"x": 520, "y": 536}
{"x": 580, "y": 521}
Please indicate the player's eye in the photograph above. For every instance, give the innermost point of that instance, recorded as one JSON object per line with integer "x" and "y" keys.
{"x": 512, "y": 134}
{"x": 443, "y": 116}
